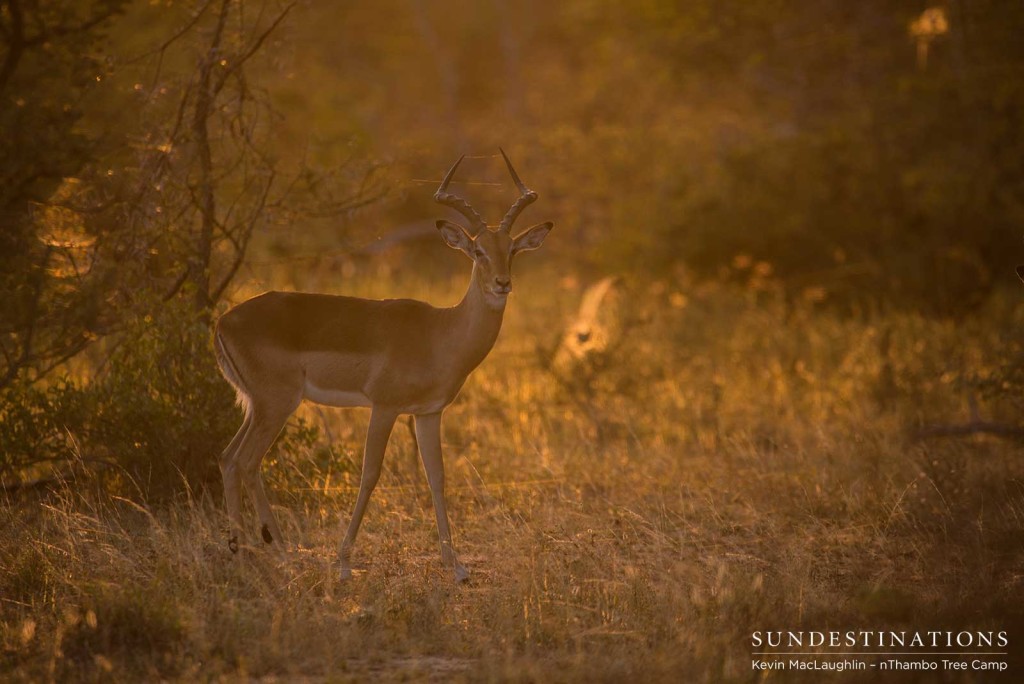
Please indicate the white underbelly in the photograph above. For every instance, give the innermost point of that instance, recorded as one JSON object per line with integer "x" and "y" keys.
{"x": 333, "y": 397}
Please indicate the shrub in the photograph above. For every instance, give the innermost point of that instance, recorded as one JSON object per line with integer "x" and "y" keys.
{"x": 158, "y": 411}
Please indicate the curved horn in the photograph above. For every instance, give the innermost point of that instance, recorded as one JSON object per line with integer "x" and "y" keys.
{"x": 526, "y": 198}
{"x": 442, "y": 196}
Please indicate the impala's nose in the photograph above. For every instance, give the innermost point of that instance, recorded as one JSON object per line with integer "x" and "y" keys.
{"x": 502, "y": 285}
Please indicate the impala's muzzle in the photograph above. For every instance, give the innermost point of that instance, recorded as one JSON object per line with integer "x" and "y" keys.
{"x": 502, "y": 286}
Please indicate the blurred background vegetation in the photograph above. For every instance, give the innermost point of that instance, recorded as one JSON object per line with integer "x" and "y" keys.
{"x": 162, "y": 158}
{"x": 767, "y": 371}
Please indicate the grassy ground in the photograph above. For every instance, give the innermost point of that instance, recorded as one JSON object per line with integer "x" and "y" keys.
{"x": 744, "y": 463}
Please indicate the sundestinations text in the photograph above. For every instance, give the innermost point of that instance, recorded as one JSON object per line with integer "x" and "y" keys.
{"x": 878, "y": 639}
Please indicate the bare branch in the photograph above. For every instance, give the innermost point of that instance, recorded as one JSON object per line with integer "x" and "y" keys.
{"x": 62, "y": 31}
{"x": 252, "y": 49}
{"x": 176, "y": 286}
{"x": 162, "y": 50}
{"x": 242, "y": 245}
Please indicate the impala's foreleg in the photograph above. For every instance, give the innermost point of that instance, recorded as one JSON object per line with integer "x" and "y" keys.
{"x": 381, "y": 422}
{"x": 428, "y": 436}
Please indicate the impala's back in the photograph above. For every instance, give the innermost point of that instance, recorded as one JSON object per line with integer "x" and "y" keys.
{"x": 334, "y": 350}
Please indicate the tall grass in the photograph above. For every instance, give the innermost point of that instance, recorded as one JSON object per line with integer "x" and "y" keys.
{"x": 746, "y": 462}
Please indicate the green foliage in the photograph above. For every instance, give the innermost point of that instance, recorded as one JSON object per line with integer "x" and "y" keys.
{"x": 162, "y": 408}
{"x": 34, "y": 424}
{"x": 842, "y": 161}
{"x": 160, "y": 412}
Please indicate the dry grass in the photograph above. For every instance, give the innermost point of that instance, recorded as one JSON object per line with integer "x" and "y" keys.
{"x": 754, "y": 469}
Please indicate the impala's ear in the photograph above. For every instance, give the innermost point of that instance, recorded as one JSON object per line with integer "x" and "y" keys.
{"x": 455, "y": 236}
{"x": 531, "y": 238}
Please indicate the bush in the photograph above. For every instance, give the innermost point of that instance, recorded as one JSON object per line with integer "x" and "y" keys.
{"x": 162, "y": 409}
{"x": 159, "y": 411}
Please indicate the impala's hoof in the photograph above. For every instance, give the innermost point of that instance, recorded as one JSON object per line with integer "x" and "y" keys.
{"x": 461, "y": 574}
{"x": 233, "y": 544}
{"x": 345, "y": 574}
{"x": 267, "y": 537}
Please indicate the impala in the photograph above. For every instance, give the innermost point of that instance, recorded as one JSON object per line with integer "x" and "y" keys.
{"x": 395, "y": 356}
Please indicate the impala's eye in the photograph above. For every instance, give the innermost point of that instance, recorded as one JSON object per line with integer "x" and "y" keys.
{"x": 479, "y": 253}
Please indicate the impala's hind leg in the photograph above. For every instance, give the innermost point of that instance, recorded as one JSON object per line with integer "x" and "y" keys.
{"x": 231, "y": 474}
{"x": 266, "y": 426}
{"x": 381, "y": 422}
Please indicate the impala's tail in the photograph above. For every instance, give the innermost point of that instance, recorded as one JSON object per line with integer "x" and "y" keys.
{"x": 230, "y": 371}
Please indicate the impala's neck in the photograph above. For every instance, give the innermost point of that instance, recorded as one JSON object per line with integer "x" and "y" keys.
{"x": 478, "y": 323}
